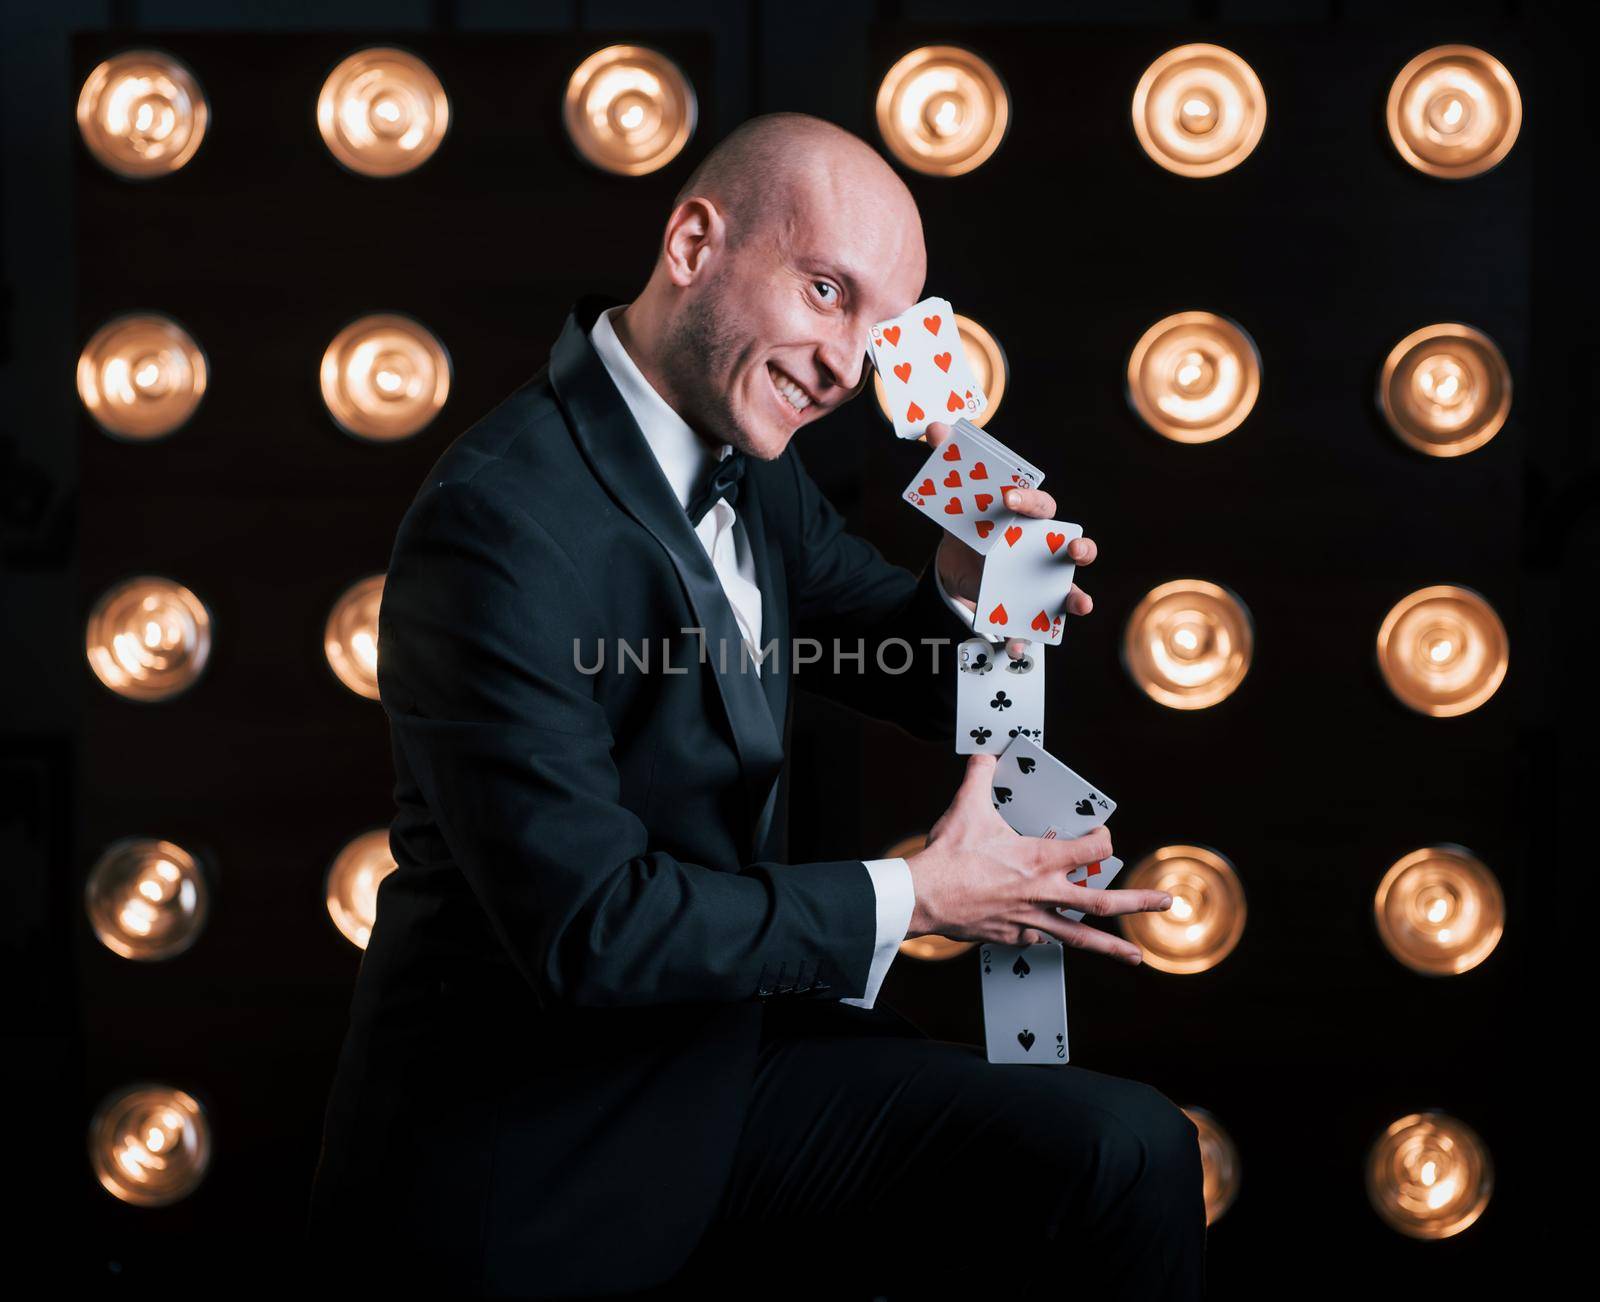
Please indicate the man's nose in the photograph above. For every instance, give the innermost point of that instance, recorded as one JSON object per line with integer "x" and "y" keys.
{"x": 845, "y": 360}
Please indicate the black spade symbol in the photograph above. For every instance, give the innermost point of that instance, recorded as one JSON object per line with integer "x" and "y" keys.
{"x": 1025, "y": 766}
{"x": 1025, "y": 1038}
{"x": 1020, "y": 967}
{"x": 1084, "y": 806}
{"x": 1002, "y": 795}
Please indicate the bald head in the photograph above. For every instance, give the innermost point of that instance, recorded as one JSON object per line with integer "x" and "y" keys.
{"x": 771, "y": 165}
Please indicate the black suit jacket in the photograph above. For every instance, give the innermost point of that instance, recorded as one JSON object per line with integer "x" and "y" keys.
{"x": 555, "y": 1021}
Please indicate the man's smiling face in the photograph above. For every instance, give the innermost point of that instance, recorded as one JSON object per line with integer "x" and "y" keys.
{"x": 777, "y": 334}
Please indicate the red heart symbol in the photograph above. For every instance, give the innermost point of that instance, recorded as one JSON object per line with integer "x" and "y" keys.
{"x": 998, "y": 615}
{"x": 982, "y": 499}
{"x": 932, "y": 323}
{"x": 953, "y": 506}
{"x": 952, "y": 453}
{"x": 979, "y": 470}
{"x": 953, "y": 479}
{"x": 954, "y": 401}
{"x": 942, "y": 361}
{"x": 1053, "y": 541}
{"x": 1012, "y": 534}
{"x": 985, "y": 527}
{"x": 892, "y": 334}
{"x": 903, "y": 371}
{"x": 1041, "y": 621}
{"x": 926, "y": 488}
{"x": 914, "y": 412}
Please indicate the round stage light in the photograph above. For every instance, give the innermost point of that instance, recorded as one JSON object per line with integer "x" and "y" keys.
{"x": 1199, "y": 110}
{"x": 382, "y": 112}
{"x": 1207, "y": 914}
{"x": 928, "y": 949}
{"x": 146, "y": 899}
{"x": 1219, "y": 1159}
{"x": 1443, "y": 651}
{"x": 350, "y": 637}
{"x": 1454, "y": 111}
{"x": 1445, "y": 389}
{"x": 1440, "y": 911}
{"x": 1194, "y": 376}
{"x": 351, "y": 887}
{"x": 385, "y": 377}
{"x": 629, "y": 109}
{"x": 989, "y": 367}
{"x": 141, "y": 376}
{"x": 942, "y": 110}
{"x": 1188, "y": 644}
{"x": 142, "y": 114}
{"x": 148, "y": 638}
{"x": 1429, "y": 1175}
{"x": 149, "y": 1144}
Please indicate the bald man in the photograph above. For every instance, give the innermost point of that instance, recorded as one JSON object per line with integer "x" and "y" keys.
{"x": 605, "y": 1039}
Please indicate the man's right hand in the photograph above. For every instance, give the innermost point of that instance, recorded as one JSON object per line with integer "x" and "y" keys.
{"x": 978, "y": 880}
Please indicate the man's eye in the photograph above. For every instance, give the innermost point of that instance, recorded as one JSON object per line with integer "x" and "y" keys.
{"x": 824, "y": 285}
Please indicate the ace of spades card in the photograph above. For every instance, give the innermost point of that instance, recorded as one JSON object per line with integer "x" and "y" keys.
{"x": 1027, "y": 577}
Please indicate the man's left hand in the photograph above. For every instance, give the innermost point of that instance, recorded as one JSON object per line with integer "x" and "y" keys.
{"x": 961, "y": 568}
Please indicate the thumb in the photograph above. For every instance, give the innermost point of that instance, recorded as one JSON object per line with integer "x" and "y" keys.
{"x": 977, "y": 781}
{"x": 937, "y": 432}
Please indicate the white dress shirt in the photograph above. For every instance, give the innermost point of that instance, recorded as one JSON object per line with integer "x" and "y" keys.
{"x": 686, "y": 459}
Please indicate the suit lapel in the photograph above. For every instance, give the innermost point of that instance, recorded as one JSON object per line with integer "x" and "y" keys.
{"x": 615, "y": 447}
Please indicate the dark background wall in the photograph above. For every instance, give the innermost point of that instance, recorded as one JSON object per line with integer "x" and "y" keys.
{"x": 1067, "y": 245}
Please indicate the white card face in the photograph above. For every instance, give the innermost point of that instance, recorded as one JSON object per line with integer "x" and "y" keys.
{"x": 997, "y": 698}
{"x": 1026, "y": 475}
{"x": 1096, "y": 876}
{"x": 1027, "y": 577}
{"x": 924, "y": 368}
{"x": 961, "y": 487}
{"x": 1024, "y": 1002}
{"x": 1038, "y": 795}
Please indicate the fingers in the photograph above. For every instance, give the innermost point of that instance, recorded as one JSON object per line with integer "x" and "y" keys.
{"x": 1016, "y": 647}
{"x": 1079, "y": 602}
{"x": 1092, "y": 940}
{"x": 978, "y": 781}
{"x": 1032, "y": 501}
{"x": 1064, "y": 855}
{"x": 1114, "y": 904}
{"x": 1083, "y": 550}
{"x": 937, "y": 432}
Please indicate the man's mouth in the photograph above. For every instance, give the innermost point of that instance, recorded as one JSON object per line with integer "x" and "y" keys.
{"x": 788, "y": 389}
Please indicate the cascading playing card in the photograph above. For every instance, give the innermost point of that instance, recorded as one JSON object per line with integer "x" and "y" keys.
{"x": 924, "y": 368}
{"x": 1027, "y": 577}
{"x": 1038, "y": 795}
{"x": 997, "y": 697}
{"x": 961, "y": 486}
{"x": 1024, "y": 1002}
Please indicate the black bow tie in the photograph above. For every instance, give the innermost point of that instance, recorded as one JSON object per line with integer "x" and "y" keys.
{"x": 723, "y": 481}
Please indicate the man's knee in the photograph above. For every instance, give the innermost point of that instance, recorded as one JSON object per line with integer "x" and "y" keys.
{"x": 1147, "y": 1149}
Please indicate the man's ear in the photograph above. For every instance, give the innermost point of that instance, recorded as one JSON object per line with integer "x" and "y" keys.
{"x": 696, "y": 235}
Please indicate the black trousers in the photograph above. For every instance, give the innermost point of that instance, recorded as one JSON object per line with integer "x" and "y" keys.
{"x": 879, "y": 1163}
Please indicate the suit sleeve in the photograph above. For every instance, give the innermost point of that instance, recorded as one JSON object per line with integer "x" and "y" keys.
{"x": 512, "y": 753}
{"x": 848, "y": 598}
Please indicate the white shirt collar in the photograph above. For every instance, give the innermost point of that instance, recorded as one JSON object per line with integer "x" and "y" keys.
{"x": 683, "y": 455}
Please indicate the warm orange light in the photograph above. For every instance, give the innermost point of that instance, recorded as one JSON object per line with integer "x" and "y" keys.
{"x": 142, "y": 114}
{"x": 141, "y": 376}
{"x": 629, "y": 109}
{"x": 1207, "y": 914}
{"x": 1429, "y": 1176}
{"x": 350, "y": 637}
{"x": 1188, "y": 644}
{"x": 146, "y": 899}
{"x": 1439, "y": 910}
{"x": 1454, "y": 111}
{"x": 150, "y": 1145}
{"x": 385, "y": 377}
{"x": 989, "y": 369}
{"x": 1443, "y": 651}
{"x": 1194, "y": 376}
{"x": 351, "y": 887}
{"x": 1219, "y": 1159}
{"x": 1199, "y": 110}
{"x": 1445, "y": 389}
{"x": 148, "y": 638}
{"x": 382, "y": 112}
{"x": 942, "y": 110}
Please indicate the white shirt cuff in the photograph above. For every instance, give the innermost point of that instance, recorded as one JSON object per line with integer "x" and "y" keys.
{"x": 967, "y": 617}
{"x": 891, "y": 882}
